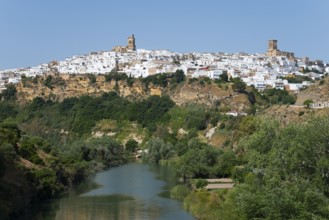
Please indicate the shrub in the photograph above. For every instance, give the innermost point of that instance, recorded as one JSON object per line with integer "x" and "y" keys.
{"x": 308, "y": 103}
{"x": 201, "y": 183}
{"x": 179, "y": 192}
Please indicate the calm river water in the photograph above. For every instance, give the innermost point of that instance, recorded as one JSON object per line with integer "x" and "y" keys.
{"x": 132, "y": 191}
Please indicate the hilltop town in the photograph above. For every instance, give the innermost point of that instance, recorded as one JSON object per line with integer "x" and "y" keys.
{"x": 272, "y": 69}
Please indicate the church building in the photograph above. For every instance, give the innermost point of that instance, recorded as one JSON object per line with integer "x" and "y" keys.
{"x": 273, "y": 51}
{"x": 129, "y": 48}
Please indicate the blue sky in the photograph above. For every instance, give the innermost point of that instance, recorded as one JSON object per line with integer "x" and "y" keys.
{"x": 38, "y": 31}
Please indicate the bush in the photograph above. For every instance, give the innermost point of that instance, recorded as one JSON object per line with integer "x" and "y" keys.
{"x": 158, "y": 150}
{"x": 10, "y": 92}
{"x": 48, "y": 82}
{"x": 131, "y": 145}
{"x": 308, "y": 103}
{"x": 192, "y": 80}
{"x": 238, "y": 84}
{"x": 7, "y": 110}
{"x": 179, "y": 192}
{"x": 201, "y": 183}
{"x": 92, "y": 78}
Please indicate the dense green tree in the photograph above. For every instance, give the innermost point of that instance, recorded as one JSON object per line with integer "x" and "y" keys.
{"x": 307, "y": 103}
{"x": 131, "y": 145}
{"x": 49, "y": 82}
{"x": 158, "y": 150}
{"x": 105, "y": 150}
{"x": 289, "y": 173}
{"x": 7, "y": 110}
{"x": 279, "y": 96}
{"x": 197, "y": 162}
{"x": 10, "y": 92}
{"x": 151, "y": 111}
{"x": 113, "y": 75}
{"x": 178, "y": 76}
{"x": 224, "y": 76}
{"x": 238, "y": 84}
{"x": 92, "y": 78}
{"x": 9, "y": 133}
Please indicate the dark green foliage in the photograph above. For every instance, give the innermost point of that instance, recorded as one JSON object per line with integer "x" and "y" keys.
{"x": 45, "y": 181}
{"x": 48, "y": 82}
{"x": 2, "y": 165}
{"x": 92, "y": 78}
{"x": 7, "y": 110}
{"x": 37, "y": 104}
{"x": 158, "y": 150}
{"x": 164, "y": 79}
{"x": 279, "y": 96}
{"x": 238, "y": 84}
{"x": 178, "y": 76}
{"x": 192, "y": 80}
{"x": 130, "y": 81}
{"x": 206, "y": 80}
{"x": 204, "y": 204}
{"x": 298, "y": 79}
{"x": 9, "y": 133}
{"x": 224, "y": 76}
{"x": 105, "y": 150}
{"x": 196, "y": 118}
{"x": 51, "y": 81}
{"x": 308, "y": 103}
{"x": 8, "y": 151}
{"x": 28, "y": 150}
{"x": 197, "y": 162}
{"x": 67, "y": 105}
{"x": 288, "y": 172}
{"x": 10, "y": 92}
{"x": 151, "y": 110}
{"x": 251, "y": 97}
{"x": 225, "y": 165}
{"x": 115, "y": 76}
{"x": 157, "y": 80}
{"x": 131, "y": 145}
{"x": 201, "y": 183}
{"x": 79, "y": 115}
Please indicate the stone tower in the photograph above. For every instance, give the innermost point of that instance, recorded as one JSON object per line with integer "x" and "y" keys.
{"x": 131, "y": 43}
{"x": 273, "y": 51}
{"x": 272, "y": 45}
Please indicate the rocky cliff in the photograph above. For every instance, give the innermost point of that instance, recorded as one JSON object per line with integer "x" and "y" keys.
{"x": 59, "y": 87}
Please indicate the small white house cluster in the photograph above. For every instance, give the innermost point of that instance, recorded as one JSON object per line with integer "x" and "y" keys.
{"x": 259, "y": 70}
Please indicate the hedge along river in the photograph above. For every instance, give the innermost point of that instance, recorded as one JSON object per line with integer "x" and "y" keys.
{"x": 132, "y": 191}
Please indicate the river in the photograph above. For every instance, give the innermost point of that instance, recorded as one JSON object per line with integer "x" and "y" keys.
{"x": 132, "y": 191}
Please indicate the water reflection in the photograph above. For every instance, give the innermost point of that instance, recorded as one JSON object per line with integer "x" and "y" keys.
{"x": 128, "y": 192}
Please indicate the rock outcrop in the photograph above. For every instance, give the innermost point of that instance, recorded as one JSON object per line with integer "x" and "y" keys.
{"x": 59, "y": 87}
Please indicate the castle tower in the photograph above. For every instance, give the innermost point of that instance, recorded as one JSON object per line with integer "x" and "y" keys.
{"x": 272, "y": 45}
{"x": 272, "y": 49}
{"x": 131, "y": 43}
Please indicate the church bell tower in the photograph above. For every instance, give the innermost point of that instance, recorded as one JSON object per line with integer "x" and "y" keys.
{"x": 131, "y": 43}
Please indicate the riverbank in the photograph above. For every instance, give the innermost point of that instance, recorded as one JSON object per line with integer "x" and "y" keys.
{"x": 32, "y": 170}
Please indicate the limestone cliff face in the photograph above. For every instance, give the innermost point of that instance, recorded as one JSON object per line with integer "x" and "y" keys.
{"x": 210, "y": 95}
{"x": 64, "y": 86}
